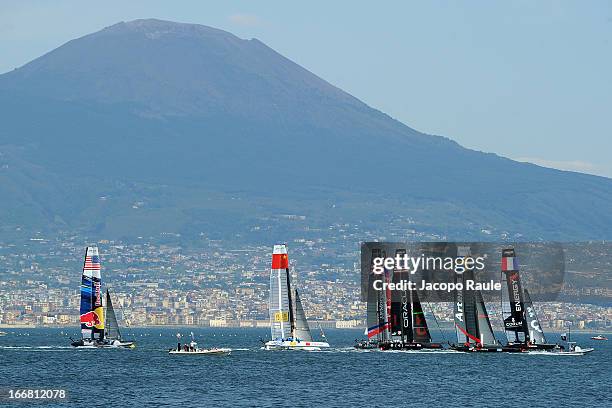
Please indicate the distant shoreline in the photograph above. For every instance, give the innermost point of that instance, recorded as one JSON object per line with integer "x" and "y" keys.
{"x": 179, "y": 326}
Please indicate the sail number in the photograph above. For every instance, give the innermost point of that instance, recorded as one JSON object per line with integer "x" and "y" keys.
{"x": 281, "y": 316}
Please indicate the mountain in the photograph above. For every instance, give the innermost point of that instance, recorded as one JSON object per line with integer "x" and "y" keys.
{"x": 150, "y": 126}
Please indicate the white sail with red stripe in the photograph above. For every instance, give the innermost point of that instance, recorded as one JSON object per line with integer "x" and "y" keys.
{"x": 288, "y": 324}
{"x": 280, "y": 322}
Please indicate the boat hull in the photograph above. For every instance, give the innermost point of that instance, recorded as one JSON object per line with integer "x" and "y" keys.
{"x": 532, "y": 347}
{"x": 104, "y": 344}
{"x": 486, "y": 349}
{"x": 366, "y": 345}
{"x": 203, "y": 352}
{"x": 576, "y": 352}
{"x": 391, "y": 345}
{"x": 295, "y": 345}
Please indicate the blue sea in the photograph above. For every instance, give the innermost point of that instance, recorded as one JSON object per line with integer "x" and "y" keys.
{"x": 251, "y": 377}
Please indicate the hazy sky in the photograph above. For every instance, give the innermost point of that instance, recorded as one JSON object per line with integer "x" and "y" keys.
{"x": 530, "y": 80}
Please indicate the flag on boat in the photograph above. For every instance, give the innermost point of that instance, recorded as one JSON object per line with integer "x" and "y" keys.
{"x": 92, "y": 263}
{"x": 509, "y": 263}
{"x": 374, "y": 330}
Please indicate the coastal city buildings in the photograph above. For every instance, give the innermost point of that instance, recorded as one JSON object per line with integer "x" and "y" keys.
{"x": 160, "y": 282}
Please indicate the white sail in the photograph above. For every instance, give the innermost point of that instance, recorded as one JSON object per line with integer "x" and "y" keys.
{"x": 280, "y": 323}
{"x": 302, "y": 330}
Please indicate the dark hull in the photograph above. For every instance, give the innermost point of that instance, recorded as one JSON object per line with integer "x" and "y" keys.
{"x": 366, "y": 345}
{"x": 532, "y": 347}
{"x": 408, "y": 346}
{"x": 487, "y": 349}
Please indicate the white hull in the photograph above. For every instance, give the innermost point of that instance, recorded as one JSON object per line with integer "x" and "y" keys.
{"x": 209, "y": 352}
{"x": 576, "y": 351}
{"x": 296, "y": 345}
{"x": 112, "y": 344}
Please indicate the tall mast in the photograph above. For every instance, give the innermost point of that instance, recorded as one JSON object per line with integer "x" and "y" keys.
{"x": 291, "y": 315}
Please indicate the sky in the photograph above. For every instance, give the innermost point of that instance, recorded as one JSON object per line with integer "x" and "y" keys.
{"x": 528, "y": 80}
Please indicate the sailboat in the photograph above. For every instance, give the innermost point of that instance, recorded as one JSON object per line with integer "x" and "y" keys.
{"x": 377, "y": 324}
{"x": 396, "y": 320}
{"x": 520, "y": 319}
{"x": 472, "y": 323}
{"x": 94, "y": 333}
{"x": 288, "y": 325}
{"x": 112, "y": 333}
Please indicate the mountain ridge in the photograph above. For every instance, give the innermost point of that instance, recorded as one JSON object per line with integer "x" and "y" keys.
{"x": 175, "y": 104}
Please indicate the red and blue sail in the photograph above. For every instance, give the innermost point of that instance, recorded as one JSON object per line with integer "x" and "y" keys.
{"x": 91, "y": 310}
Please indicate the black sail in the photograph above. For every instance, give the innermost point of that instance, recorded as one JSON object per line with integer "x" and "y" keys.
{"x": 459, "y": 313}
{"x": 419, "y": 324}
{"x": 112, "y": 327}
{"x": 536, "y": 334}
{"x": 373, "y": 315}
{"x": 406, "y": 317}
{"x": 471, "y": 315}
{"x": 485, "y": 331}
{"x": 398, "y": 302}
{"x": 514, "y": 324}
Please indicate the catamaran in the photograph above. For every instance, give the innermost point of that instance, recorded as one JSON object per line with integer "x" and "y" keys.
{"x": 520, "y": 320}
{"x": 395, "y": 319}
{"x": 472, "y": 323}
{"x": 288, "y": 325}
{"x": 96, "y": 332}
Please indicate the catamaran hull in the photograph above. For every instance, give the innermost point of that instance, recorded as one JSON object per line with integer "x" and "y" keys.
{"x": 104, "y": 344}
{"x": 366, "y": 345}
{"x": 296, "y": 345}
{"x": 533, "y": 347}
{"x": 408, "y": 346}
{"x": 487, "y": 349}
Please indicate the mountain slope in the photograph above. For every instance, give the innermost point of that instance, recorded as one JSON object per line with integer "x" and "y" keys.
{"x": 191, "y": 112}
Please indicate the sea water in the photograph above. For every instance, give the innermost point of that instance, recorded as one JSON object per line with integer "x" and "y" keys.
{"x": 251, "y": 377}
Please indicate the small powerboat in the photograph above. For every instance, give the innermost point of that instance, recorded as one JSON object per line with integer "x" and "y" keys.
{"x": 574, "y": 350}
{"x": 599, "y": 337}
{"x": 192, "y": 349}
{"x": 198, "y": 351}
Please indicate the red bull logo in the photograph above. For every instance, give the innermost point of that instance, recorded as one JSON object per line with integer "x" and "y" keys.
{"x": 90, "y": 319}
{"x": 97, "y": 289}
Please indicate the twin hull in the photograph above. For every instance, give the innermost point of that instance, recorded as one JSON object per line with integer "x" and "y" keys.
{"x": 296, "y": 345}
